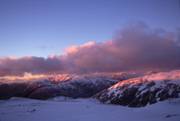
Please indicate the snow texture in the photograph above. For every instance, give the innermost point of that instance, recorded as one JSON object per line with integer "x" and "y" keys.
{"x": 65, "y": 109}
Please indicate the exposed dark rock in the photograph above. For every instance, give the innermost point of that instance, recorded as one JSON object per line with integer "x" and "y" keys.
{"x": 140, "y": 91}
{"x": 13, "y": 89}
{"x": 44, "y": 93}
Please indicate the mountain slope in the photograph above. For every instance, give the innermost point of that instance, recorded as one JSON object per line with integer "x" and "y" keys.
{"x": 140, "y": 91}
{"x": 69, "y": 85}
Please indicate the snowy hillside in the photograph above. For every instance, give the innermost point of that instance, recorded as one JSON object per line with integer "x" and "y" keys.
{"x": 59, "y": 85}
{"x": 18, "y": 109}
{"x": 144, "y": 90}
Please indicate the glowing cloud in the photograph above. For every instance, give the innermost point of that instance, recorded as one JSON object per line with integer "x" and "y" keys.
{"x": 135, "y": 47}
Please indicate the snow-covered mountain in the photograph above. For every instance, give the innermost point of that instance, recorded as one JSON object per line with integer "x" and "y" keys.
{"x": 70, "y": 85}
{"x": 140, "y": 91}
{"x": 129, "y": 89}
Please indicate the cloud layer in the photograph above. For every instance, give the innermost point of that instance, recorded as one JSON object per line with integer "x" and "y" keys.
{"x": 135, "y": 47}
{"x": 18, "y": 66}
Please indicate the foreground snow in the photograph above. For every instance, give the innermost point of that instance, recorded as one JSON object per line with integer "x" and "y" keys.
{"x": 62, "y": 109}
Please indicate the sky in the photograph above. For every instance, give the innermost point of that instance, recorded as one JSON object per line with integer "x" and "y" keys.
{"x": 87, "y": 36}
{"x": 46, "y": 27}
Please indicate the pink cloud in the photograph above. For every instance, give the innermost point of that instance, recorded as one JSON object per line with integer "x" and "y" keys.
{"x": 135, "y": 47}
{"x": 16, "y": 66}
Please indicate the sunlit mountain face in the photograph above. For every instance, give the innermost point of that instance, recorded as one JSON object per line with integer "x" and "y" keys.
{"x": 134, "y": 89}
{"x": 48, "y": 86}
{"x": 143, "y": 90}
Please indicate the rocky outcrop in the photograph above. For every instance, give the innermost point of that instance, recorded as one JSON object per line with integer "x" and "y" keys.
{"x": 9, "y": 90}
{"x": 141, "y": 91}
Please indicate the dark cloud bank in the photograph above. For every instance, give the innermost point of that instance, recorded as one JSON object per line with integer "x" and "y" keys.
{"x": 135, "y": 47}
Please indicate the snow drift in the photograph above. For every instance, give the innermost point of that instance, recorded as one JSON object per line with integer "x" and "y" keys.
{"x": 19, "y": 109}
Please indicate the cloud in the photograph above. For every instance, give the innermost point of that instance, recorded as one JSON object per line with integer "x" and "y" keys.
{"x": 18, "y": 66}
{"x": 135, "y": 47}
